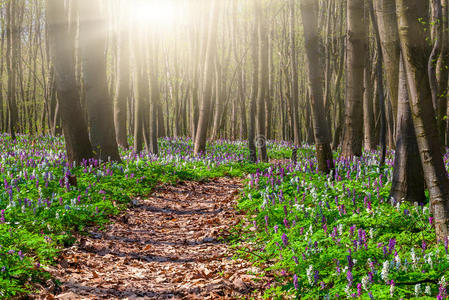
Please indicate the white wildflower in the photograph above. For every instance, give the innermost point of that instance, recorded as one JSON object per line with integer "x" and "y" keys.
{"x": 397, "y": 260}
{"x": 385, "y": 271}
{"x": 429, "y": 260}
{"x": 365, "y": 283}
{"x": 428, "y": 291}
{"x": 417, "y": 290}
{"x": 348, "y": 291}
{"x": 309, "y": 273}
{"x": 412, "y": 253}
{"x": 442, "y": 281}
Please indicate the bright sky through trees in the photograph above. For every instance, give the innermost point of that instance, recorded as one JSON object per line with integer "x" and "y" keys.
{"x": 155, "y": 13}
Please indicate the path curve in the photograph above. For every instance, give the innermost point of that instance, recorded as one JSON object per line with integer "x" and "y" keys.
{"x": 168, "y": 246}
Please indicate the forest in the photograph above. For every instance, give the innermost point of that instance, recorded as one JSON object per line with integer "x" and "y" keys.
{"x": 224, "y": 149}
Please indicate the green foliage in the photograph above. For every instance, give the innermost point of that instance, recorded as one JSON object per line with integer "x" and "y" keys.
{"x": 40, "y": 209}
{"x": 340, "y": 236}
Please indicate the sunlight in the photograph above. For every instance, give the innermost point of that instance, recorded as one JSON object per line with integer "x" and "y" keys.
{"x": 154, "y": 13}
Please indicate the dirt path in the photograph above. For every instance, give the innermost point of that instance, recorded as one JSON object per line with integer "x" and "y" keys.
{"x": 168, "y": 246}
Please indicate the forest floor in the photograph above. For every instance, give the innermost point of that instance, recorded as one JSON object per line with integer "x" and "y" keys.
{"x": 171, "y": 245}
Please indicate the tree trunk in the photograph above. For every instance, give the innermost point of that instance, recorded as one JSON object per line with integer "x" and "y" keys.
{"x": 220, "y": 96}
{"x": 211, "y": 49}
{"x": 408, "y": 177}
{"x": 242, "y": 105}
{"x": 443, "y": 72}
{"x": 93, "y": 32}
{"x": 63, "y": 57}
{"x": 294, "y": 79}
{"x": 253, "y": 101}
{"x": 12, "y": 32}
{"x": 155, "y": 96}
{"x": 142, "y": 93}
{"x": 380, "y": 90}
{"x": 368, "y": 115}
{"x": 123, "y": 80}
{"x": 261, "y": 139}
{"x": 325, "y": 159}
{"x": 356, "y": 49}
{"x": 389, "y": 36}
{"x": 416, "y": 52}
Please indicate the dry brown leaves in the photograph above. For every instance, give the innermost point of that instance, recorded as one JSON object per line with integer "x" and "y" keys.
{"x": 168, "y": 246}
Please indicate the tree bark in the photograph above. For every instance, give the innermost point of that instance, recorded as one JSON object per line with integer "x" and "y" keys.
{"x": 261, "y": 139}
{"x": 12, "y": 35}
{"x": 408, "y": 177}
{"x": 155, "y": 96}
{"x": 63, "y": 57}
{"x": 294, "y": 79}
{"x": 443, "y": 73}
{"x": 389, "y": 36}
{"x": 123, "y": 80}
{"x": 211, "y": 49}
{"x": 416, "y": 52}
{"x": 380, "y": 89}
{"x": 93, "y": 32}
{"x": 321, "y": 130}
{"x": 368, "y": 115}
{"x": 356, "y": 49}
{"x": 253, "y": 101}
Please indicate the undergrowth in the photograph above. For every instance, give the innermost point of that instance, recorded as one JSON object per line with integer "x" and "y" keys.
{"x": 340, "y": 236}
{"x": 44, "y": 201}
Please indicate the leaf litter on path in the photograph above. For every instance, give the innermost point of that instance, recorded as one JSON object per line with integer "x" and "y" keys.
{"x": 168, "y": 246}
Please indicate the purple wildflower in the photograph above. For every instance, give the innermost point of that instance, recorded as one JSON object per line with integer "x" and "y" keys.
{"x": 284, "y": 239}
{"x": 349, "y": 277}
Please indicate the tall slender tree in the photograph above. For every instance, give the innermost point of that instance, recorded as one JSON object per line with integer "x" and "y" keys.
{"x": 93, "y": 35}
{"x": 416, "y": 51}
{"x": 262, "y": 93}
{"x": 408, "y": 177}
{"x": 155, "y": 95}
{"x": 253, "y": 101}
{"x": 442, "y": 72}
{"x": 63, "y": 57}
{"x": 389, "y": 36}
{"x": 211, "y": 52}
{"x": 12, "y": 57}
{"x": 294, "y": 78}
{"x": 310, "y": 10}
{"x": 356, "y": 49}
{"x": 122, "y": 93}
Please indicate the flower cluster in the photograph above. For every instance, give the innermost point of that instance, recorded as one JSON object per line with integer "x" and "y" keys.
{"x": 341, "y": 233}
